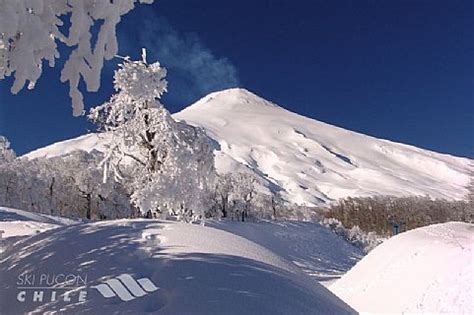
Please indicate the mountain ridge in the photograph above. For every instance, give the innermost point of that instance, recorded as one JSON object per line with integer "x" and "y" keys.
{"x": 308, "y": 161}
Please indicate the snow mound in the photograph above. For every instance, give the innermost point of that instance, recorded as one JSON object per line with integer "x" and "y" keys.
{"x": 167, "y": 267}
{"x": 318, "y": 251}
{"x": 308, "y": 161}
{"x": 429, "y": 270}
{"x": 9, "y": 214}
{"x": 22, "y": 228}
{"x": 16, "y": 223}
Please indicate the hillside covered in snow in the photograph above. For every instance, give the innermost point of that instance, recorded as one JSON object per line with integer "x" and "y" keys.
{"x": 150, "y": 266}
{"x": 307, "y": 161}
{"x": 428, "y": 270}
{"x": 146, "y": 266}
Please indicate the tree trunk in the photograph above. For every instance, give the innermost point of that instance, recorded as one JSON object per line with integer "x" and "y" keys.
{"x": 89, "y": 206}
{"x": 224, "y": 206}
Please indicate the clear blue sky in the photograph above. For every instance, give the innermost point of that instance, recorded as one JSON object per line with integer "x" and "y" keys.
{"x": 401, "y": 70}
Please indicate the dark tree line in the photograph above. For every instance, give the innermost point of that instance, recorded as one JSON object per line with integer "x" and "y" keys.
{"x": 380, "y": 214}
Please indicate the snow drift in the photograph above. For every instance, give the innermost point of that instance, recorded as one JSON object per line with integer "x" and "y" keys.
{"x": 15, "y": 223}
{"x": 196, "y": 270}
{"x": 308, "y": 161}
{"x": 427, "y": 270}
{"x": 317, "y": 250}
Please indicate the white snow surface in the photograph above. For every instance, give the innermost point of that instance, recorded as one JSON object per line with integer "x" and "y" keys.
{"x": 87, "y": 143}
{"x": 426, "y": 270}
{"x": 308, "y": 160}
{"x": 317, "y": 250}
{"x": 311, "y": 160}
{"x": 15, "y": 222}
{"x": 199, "y": 270}
{"x": 9, "y": 214}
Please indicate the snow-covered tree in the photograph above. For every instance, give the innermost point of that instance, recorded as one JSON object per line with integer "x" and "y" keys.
{"x": 357, "y": 237}
{"x": 30, "y": 31}
{"x": 222, "y": 193}
{"x": 234, "y": 195}
{"x": 183, "y": 185}
{"x": 470, "y": 187}
{"x": 242, "y": 194}
{"x": 79, "y": 170}
{"x": 69, "y": 186}
{"x": 168, "y": 165}
{"x": 141, "y": 128}
{"x": 6, "y": 153}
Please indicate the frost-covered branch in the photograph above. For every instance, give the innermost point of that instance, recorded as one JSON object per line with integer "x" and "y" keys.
{"x": 6, "y": 153}
{"x": 30, "y": 31}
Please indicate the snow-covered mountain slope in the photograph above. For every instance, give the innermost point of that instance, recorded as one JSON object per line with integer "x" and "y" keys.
{"x": 193, "y": 269}
{"x": 88, "y": 143}
{"x": 307, "y": 160}
{"x": 427, "y": 270}
{"x": 311, "y": 160}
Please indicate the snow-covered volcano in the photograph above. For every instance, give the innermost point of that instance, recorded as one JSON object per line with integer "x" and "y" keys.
{"x": 310, "y": 160}
{"x": 307, "y": 160}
